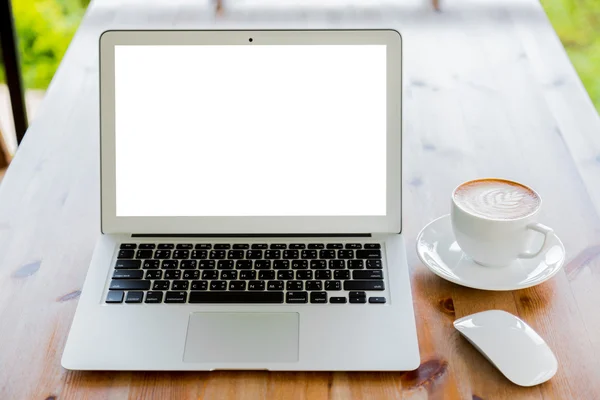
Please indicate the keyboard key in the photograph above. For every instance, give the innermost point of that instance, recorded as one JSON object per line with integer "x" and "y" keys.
{"x": 278, "y": 246}
{"x": 368, "y": 254}
{"x": 206, "y": 264}
{"x": 374, "y": 264}
{"x": 199, "y": 254}
{"x": 266, "y": 275}
{"x": 162, "y": 254}
{"x": 128, "y": 284}
{"x": 134, "y": 297}
{"x": 364, "y": 285}
{"x": 237, "y": 285}
{"x": 209, "y": 275}
{"x": 345, "y": 274}
{"x": 176, "y": 297}
{"x": 346, "y": 254}
{"x": 300, "y": 264}
{"x": 256, "y": 285}
{"x": 225, "y": 264}
{"x": 154, "y": 297}
{"x": 217, "y": 254}
{"x": 281, "y": 264}
{"x": 275, "y": 285}
{"x": 259, "y": 246}
{"x": 294, "y": 285}
{"x": 125, "y": 254}
{"x": 272, "y": 254}
{"x": 262, "y": 264}
{"x": 173, "y": 274}
{"x": 296, "y": 297}
{"x": 254, "y": 254}
{"x": 166, "y": 246}
{"x": 337, "y": 264}
{"x": 353, "y": 246}
{"x": 235, "y": 254}
{"x": 240, "y": 246}
{"x": 170, "y": 264}
{"x": 320, "y": 274}
{"x": 218, "y": 285}
{"x": 191, "y": 275}
{"x": 318, "y": 297}
{"x": 200, "y": 285}
{"x": 335, "y": 246}
{"x": 147, "y": 246}
{"x": 327, "y": 254}
{"x": 229, "y": 275}
{"x": 128, "y": 274}
{"x": 154, "y": 274}
{"x": 297, "y": 246}
{"x": 222, "y": 246}
{"x": 308, "y": 254}
{"x": 236, "y": 297}
{"x": 188, "y": 264}
{"x": 377, "y": 300}
{"x": 291, "y": 254}
{"x": 114, "y": 297}
{"x": 333, "y": 285}
{"x": 243, "y": 264}
{"x": 337, "y": 300}
{"x": 285, "y": 275}
{"x": 180, "y": 255}
{"x": 128, "y": 246}
{"x": 247, "y": 275}
{"x": 128, "y": 264}
{"x": 367, "y": 275}
{"x": 203, "y": 246}
{"x": 180, "y": 285}
{"x": 357, "y": 297}
{"x": 304, "y": 274}
{"x": 314, "y": 285}
{"x": 161, "y": 285}
{"x": 317, "y": 246}
{"x": 318, "y": 264}
{"x": 373, "y": 246}
{"x": 355, "y": 264}
{"x": 185, "y": 246}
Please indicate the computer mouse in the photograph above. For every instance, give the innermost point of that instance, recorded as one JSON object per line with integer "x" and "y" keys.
{"x": 510, "y": 345}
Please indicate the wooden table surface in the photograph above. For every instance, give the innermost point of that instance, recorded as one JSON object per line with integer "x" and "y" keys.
{"x": 489, "y": 91}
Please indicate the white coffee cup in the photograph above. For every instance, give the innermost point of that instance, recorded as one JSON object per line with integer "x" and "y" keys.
{"x": 492, "y": 241}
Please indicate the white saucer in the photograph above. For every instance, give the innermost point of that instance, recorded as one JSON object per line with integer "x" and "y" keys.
{"x": 439, "y": 251}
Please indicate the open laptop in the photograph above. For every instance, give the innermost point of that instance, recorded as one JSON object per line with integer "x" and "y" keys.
{"x": 251, "y": 205}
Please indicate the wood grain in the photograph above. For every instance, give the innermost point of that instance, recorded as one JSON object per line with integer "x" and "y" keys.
{"x": 489, "y": 91}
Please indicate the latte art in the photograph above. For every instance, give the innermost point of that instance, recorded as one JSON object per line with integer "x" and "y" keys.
{"x": 496, "y": 198}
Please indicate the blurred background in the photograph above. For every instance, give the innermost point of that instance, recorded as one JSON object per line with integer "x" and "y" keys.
{"x": 44, "y": 29}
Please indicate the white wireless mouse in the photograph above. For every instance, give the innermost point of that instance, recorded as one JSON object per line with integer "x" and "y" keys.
{"x": 510, "y": 345}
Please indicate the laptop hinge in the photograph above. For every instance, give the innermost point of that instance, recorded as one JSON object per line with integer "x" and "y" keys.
{"x": 250, "y": 235}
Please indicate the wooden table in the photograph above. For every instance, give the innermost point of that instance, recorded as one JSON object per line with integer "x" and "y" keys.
{"x": 489, "y": 92}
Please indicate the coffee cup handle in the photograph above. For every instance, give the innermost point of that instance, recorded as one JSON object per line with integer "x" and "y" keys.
{"x": 544, "y": 230}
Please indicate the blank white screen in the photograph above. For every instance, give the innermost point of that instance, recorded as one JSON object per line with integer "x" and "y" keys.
{"x": 297, "y": 130}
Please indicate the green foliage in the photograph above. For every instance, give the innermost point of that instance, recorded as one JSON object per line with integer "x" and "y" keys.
{"x": 44, "y": 29}
{"x": 577, "y": 23}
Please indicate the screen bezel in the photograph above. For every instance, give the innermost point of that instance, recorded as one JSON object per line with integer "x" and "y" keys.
{"x": 390, "y": 223}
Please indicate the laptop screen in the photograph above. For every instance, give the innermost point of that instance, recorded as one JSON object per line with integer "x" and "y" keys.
{"x": 278, "y": 130}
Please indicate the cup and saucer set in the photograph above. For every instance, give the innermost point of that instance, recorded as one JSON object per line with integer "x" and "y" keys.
{"x": 492, "y": 240}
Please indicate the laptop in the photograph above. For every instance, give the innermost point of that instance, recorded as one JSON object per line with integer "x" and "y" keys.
{"x": 250, "y": 205}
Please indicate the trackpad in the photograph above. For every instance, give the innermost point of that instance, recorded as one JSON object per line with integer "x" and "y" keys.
{"x": 242, "y": 337}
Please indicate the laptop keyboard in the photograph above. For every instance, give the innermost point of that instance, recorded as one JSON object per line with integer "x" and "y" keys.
{"x": 257, "y": 273}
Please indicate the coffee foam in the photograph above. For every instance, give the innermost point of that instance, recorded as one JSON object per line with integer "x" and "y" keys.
{"x": 496, "y": 198}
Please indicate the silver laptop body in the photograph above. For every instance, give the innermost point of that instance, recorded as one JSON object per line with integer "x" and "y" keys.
{"x": 250, "y": 203}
